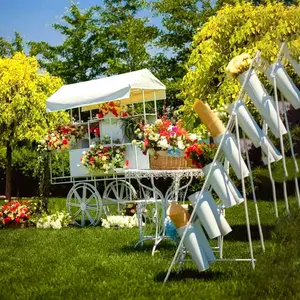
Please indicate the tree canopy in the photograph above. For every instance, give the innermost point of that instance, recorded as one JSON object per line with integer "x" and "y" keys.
{"x": 23, "y": 93}
{"x": 235, "y": 29}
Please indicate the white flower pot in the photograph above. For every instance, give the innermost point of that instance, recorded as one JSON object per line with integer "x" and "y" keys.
{"x": 263, "y": 102}
{"x": 204, "y": 244}
{"x": 285, "y": 84}
{"x": 253, "y": 131}
{"x": 191, "y": 243}
{"x": 205, "y": 214}
{"x": 212, "y": 215}
{"x": 230, "y": 149}
{"x": 272, "y": 154}
{"x": 222, "y": 185}
{"x": 247, "y": 123}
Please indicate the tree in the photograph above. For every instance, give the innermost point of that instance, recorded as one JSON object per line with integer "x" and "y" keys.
{"x": 235, "y": 29}
{"x": 130, "y": 36}
{"x": 99, "y": 41}
{"x": 9, "y": 48}
{"x": 80, "y": 57}
{"x": 180, "y": 21}
{"x": 23, "y": 92}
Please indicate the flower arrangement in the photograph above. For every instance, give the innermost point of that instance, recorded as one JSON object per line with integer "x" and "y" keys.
{"x": 115, "y": 107}
{"x": 15, "y": 211}
{"x": 101, "y": 158}
{"x": 163, "y": 135}
{"x": 201, "y": 154}
{"x": 54, "y": 221}
{"x": 238, "y": 65}
{"x": 63, "y": 137}
{"x": 120, "y": 221}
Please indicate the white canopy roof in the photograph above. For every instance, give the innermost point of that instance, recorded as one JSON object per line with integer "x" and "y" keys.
{"x": 128, "y": 88}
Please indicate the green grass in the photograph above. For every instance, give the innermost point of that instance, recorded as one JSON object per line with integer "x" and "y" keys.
{"x": 96, "y": 263}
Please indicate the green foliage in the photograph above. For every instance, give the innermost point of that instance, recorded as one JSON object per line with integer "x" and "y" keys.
{"x": 23, "y": 94}
{"x": 180, "y": 20}
{"x": 235, "y": 29}
{"x": 99, "y": 41}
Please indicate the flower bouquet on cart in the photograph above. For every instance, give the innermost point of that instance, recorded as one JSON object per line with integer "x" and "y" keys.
{"x": 201, "y": 154}
{"x": 15, "y": 214}
{"x": 64, "y": 137}
{"x": 114, "y": 107}
{"x": 165, "y": 143}
{"x": 100, "y": 159}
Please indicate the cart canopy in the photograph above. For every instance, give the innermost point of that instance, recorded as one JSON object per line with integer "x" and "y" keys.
{"x": 129, "y": 88}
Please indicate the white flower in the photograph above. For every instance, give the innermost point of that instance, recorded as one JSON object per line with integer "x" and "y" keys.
{"x": 180, "y": 145}
{"x": 140, "y": 135}
{"x": 56, "y": 224}
{"x": 92, "y": 146}
{"x": 163, "y": 144}
{"x": 84, "y": 152}
{"x": 158, "y": 122}
{"x": 133, "y": 142}
{"x": 193, "y": 136}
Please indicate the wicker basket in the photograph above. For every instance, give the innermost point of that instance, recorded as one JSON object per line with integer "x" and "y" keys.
{"x": 161, "y": 161}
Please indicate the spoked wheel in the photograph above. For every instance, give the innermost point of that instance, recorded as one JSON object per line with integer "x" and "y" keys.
{"x": 84, "y": 204}
{"x": 118, "y": 192}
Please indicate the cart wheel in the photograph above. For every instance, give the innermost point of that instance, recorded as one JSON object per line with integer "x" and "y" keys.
{"x": 84, "y": 204}
{"x": 118, "y": 192}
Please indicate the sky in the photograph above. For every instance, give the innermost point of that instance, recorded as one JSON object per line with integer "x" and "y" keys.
{"x": 33, "y": 18}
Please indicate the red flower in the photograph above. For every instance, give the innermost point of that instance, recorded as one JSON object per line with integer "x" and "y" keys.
{"x": 114, "y": 112}
{"x": 127, "y": 163}
{"x": 17, "y": 219}
{"x": 6, "y": 220}
{"x": 100, "y": 114}
{"x": 65, "y": 142}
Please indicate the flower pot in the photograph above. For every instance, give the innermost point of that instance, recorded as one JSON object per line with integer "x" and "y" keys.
{"x": 203, "y": 242}
{"x": 191, "y": 243}
{"x": 205, "y": 214}
{"x": 246, "y": 122}
{"x": 212, "y": 122}
{"x": 263, "y": 102}
{"x": 212, "y": 215}
{"x": 285, "y": 84}
{"x": 222, "y": 185}
{"x": 162, "y": 161}
{"x": 272, "y": 154}
{"x": 253, "y": 131}
{"x": 231, "y": 151}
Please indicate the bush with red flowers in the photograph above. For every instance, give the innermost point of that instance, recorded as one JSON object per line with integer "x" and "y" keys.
{"x": 201, "y": 154}
{"x": 15, "y": 211}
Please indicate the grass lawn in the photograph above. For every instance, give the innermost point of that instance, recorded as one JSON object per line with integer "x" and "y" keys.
{"x": 96, "y": 263}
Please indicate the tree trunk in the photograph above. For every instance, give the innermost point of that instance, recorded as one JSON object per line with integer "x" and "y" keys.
{"x": 44, "y": 182}
{"x": 8, "y": 187}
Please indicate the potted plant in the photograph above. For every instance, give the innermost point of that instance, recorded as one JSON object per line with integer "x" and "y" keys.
{"x": 104, "y": 160}
{"x": 15, "y": 214}
{"x": 165, "y": 143}
{"x": 64, "y": 137}
{"x": 238, "y": 68}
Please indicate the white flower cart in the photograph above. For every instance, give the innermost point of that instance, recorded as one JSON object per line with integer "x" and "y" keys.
{"x": 91, "y": 194}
